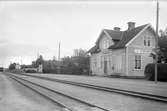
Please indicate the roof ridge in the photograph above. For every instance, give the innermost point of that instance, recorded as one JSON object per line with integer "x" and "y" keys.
{"x": 112, "y": 30}
{"x": 126, "y": 30}
{"x": 121, "y": 38}
{"x": 128, "y": 35}
{"x": 138, "y": 27}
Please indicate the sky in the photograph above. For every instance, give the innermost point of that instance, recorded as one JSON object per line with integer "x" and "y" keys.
{"x": 30, "y": 28}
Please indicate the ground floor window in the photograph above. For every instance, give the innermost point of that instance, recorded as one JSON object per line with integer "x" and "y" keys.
{"x": 137, "y": 61}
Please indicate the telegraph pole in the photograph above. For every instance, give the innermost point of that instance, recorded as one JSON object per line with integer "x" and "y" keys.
{"x": 58, "y": 68}
{"x": 156, "y": 46}
{"x": 59, "y": 53}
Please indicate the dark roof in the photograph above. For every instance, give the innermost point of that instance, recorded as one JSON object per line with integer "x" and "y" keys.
{"x": 121, "y": 38}
{"x": 127, "y": 36}
{"x": 94, "y": 49}
{"x": 116, "y": 35}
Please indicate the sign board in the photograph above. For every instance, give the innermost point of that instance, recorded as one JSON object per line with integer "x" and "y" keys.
{"x": 139, "y": 51}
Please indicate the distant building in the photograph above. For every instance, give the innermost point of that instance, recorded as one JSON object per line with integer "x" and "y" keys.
{"x": 124, "y": 53}
{"x": 18, "y": 66}
{"x": 1, "y": 69}
{"x": 30, "y": 69}
{"x": 40, "y": 68}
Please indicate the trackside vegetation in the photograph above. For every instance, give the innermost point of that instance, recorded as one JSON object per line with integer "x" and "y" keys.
{"x": 162, "y": 72}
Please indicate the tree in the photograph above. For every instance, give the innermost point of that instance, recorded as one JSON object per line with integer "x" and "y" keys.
{"x": 26, "y": 66}
{"x": 50, "y": 66}
{"x": 68, "y": 67}
{"x": 79, "y": 52}
{"x": 162, "y": 50}
{"x": 76, "y": 64}
{"x": 81, "y": 60}
{"x": 82, "y": 63}
{"x": 38, "y": 61}
{"x": 163, "y": 32}
{"x": 12, "y": 66}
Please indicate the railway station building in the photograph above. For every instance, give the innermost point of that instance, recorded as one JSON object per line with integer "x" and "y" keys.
{"x": 124, "y": 53}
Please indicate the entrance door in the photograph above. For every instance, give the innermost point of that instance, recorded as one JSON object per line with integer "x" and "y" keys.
{"x": 117, "y": 63}
{"x": 105, "y": 66}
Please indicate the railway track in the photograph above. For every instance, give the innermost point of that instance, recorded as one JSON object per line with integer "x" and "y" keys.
{"x": 66, "y": 102}
{"x": 120, "y": 91}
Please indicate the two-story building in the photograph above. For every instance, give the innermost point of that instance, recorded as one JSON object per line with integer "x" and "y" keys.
{"x": 124, "y": 53}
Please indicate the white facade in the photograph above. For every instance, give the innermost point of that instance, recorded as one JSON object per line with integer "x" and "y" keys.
{"x": 18, "y": 66}
{"x": 40, "y": 68}
{"x": 128, "y": 61}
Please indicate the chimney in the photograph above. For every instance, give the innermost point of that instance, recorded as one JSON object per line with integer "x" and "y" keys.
{"x": 131, "y": 25}
{"x": 117, "y": 28}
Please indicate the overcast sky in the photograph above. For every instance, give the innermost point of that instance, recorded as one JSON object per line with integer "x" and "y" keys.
{"x": 29, "y": 28}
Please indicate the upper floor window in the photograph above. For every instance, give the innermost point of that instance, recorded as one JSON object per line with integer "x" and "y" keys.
{"x": 106, "y": 44}
{"x": 147, "y": 41}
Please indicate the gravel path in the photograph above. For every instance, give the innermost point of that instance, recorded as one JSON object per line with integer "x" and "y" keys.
{"x": 126, "y": 84}
{"x": 116, "y": 102}
{"x": 14, "y": 97}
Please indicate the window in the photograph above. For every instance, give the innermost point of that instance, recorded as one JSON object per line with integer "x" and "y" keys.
{"x": 138, "y": 62}
{"x": 147, "y": 41}
{"x": 106, "y": 44}
{"x": 144, "y": 40}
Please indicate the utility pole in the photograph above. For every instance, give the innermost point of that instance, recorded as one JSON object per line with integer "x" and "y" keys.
{"x": 59, "y": 53}
{"x": 156, "y": 46}
{"x": 58, "y": 68}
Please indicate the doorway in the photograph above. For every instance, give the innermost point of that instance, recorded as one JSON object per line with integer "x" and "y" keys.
{"x": 105, "y": 66}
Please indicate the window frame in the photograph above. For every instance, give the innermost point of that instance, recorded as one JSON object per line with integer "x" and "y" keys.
{"x": 106, "y": 43}
{"x": 147, "y": 41}
{"x": 138, "y": 62}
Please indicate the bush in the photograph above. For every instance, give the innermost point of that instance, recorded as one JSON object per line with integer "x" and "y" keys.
{"x": 46, "y": 70}
{"x": 30, "y": 71}
{"x": 161, "y": 72}
{"x": 18, "y": 71}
